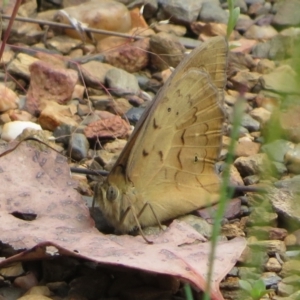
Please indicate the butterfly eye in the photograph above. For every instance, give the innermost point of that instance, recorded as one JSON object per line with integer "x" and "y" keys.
{"x": 112, "y": 193}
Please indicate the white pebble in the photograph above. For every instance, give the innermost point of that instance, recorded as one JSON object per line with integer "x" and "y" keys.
{"x": 12, "y": 129}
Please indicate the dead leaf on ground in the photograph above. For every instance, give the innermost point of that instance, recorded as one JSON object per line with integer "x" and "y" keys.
{"x": 43, "y": 215}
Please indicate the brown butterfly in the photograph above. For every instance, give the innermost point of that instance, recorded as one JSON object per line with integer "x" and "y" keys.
{"x": 167, "y": 167}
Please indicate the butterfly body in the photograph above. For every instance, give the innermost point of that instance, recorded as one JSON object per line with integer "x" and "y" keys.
{"x": 167, "y": 167}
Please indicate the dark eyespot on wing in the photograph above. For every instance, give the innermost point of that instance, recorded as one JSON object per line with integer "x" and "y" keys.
{"x": 155, "y": 126}
{"x": 161, "y": 155}
{"x": 145, "y": 153}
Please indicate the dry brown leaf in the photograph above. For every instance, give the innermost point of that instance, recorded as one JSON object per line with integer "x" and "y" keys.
{"x": 37, "y": 184}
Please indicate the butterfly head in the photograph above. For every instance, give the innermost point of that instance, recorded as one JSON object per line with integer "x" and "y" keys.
{"x": 112, "y": 202}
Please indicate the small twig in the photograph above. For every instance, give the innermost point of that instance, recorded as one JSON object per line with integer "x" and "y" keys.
{"x": 11, "y": 21}
{"x": 66, "y": 26}
{"x": 88, "y": 171}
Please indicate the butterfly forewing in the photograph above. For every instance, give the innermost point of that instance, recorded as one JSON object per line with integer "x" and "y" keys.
{"x": 169, "y": 160}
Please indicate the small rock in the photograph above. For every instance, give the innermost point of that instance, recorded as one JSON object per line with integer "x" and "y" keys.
{"x": 290, "y": 267}
{"x": 121, "y": 83}
{"x": 246, "y": 148}
{"x": 78, "y": 146}
{"x": 261, "y": 115}
{"x": 107, "y": 15}
{"x": 212, "y": 12}
{"x": 281, "y": 80}
{"x": 27, "y": 282}
{"x": 119, "y": 106}
{"x": 39, "y": 290}
{"x": 287, "y": 13}
{"x": 233, "y": 210}
{"x": 186, "y": 12}
{"x": 8, "y": 98}
{"x": 265, "y": 66}
{"x": 286, "y": 290}
{"x": 243, "y": 23}
{"x": 289, "y": 123}
{"x": 12, "y": 129}
{"x": 250, "y": 123}
{"x": 54, "y": 115}
{"x": 114, "y": 127}
{"x": 252, "y": 165}
{"x": 62, "y": 133}
{"x": 55, "y": 61}
{"x": 20, "y": 65}
{"x": 231, "y": 231}
{"x": 166, "y": 51}
{"x": 115, "y": 146}
{"x": 235, "y": 177}
{"x": 292, "y": 159}
{"x": 260, "y": 32}
{"x": 273, "y": 265}
{"x": 286, "y": 205}
{"x": 20, "y": 115}
{"x": 134, "y": 114}
{"x": 270, "y": 278}
{"x": 177, "y": 30}
{"x": 198, "y": 224}
{"x": 106, "y": 159}
{"x": 295, "y": 237}
{"x": 271, "y": 247}
{"x": 277, "y": 150}
{"x": 131, "y": 57}
{"x": 13, "y": 270}
{"x": 94, "y": 73}
{"x": 245, "y": 81}
{"x": 34, "y": 297}
{"x": 63, "y": 44}
{"x": 49, "y": 84}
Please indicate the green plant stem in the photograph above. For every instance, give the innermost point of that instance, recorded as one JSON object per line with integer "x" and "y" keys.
{"x": 188, "y": 292}
{"x": 225, "y": 195}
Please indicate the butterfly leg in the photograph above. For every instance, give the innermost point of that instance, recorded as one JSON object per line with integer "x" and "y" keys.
{"x": 153, "y": 211}
{"x": 130, "y": 208}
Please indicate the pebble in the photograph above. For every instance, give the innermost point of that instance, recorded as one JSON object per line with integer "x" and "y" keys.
{"x": 280, "y": 80}
{"x": 185, "y": 12}
{"x": 20, "y": 65}
{"x": 11, "y": 130}
{"x": 121, "y": 83}
{"x": 49, "y": 83}
{"x": 94, "y": 72}
{"x": 170, "y": 46}
{"x": 212, "y": 12}
{"x": 78, "y": 146}
{"x": 8, "y": 99}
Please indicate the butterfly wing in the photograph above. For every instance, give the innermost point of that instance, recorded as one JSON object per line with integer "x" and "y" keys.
{"x": 169, "y": 159}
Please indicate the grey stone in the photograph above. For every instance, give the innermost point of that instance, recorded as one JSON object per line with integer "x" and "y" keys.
{"x": 286, "y": 204}
{"x": 62, "y": 133}
{"x": 281, "y": 80}
{"x": 276, "y": 150}
{"x": 185, "y": 11}
{"x": 289, "y": 184}
{"x": 170, "y": 46}
{"x": 134, "y": 114}
{"x": 211, "y": 12}
{"x": 121, "y": 83}
{"x": 250, "y": 123}
{"x": 78, "y": 146}
{"x": 287, "y": 13}
{"x": 270, "y": 278}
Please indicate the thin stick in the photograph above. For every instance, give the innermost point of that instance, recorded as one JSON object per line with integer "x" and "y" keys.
{"x": 66, "y": 26}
